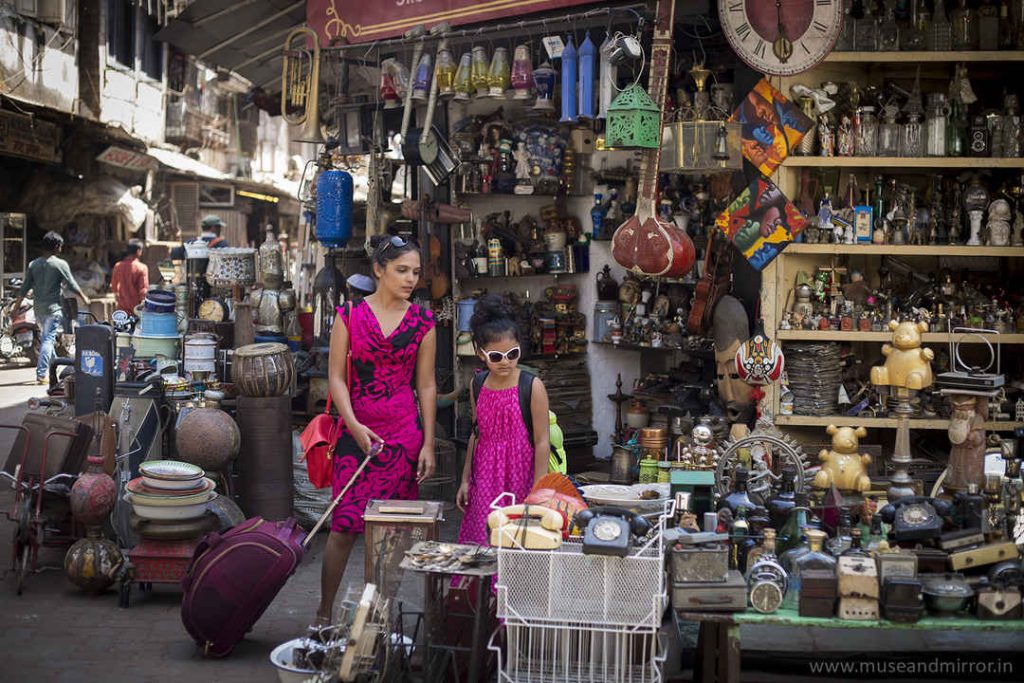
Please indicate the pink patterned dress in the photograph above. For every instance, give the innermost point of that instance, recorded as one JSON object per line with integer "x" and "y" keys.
{"x": 383, "y": 399}
{"x": 503, "y": 461}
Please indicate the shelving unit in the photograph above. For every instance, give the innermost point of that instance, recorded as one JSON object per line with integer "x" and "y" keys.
{"x": 778, "y": 278}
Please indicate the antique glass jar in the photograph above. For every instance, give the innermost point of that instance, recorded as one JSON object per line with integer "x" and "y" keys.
{"x": 935, "y": 125}
{"x": 912, "y": 136}
{"x": 814, "y": 558}
{"x": 889, "y": 134}
{"x": 866, "y": 133}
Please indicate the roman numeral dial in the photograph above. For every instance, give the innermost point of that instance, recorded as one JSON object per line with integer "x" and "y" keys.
{"x": 781, "y": 37}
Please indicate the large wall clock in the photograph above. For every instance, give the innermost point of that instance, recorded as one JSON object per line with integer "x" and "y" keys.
{"x": 781, "y": 37}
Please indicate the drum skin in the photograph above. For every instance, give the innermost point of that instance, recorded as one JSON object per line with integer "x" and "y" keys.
{"x": 263, "y": 370}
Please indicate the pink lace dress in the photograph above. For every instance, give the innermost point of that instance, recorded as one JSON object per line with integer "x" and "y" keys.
{"x": 503, "y": 461}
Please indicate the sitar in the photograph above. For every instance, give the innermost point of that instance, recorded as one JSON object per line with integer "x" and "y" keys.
{"x": 645, "y": 244}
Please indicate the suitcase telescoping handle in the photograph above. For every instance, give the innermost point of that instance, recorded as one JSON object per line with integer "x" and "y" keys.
{"x": 337, "y": 499}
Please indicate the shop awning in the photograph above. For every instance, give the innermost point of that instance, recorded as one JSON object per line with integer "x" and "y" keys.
{"x": 245, "y": 36}
{"x": 176, "y": 161}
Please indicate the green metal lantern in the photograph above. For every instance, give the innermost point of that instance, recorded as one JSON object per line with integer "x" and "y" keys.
{"x": 634, "y": 121}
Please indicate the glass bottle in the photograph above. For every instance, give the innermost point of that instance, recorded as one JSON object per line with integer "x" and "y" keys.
{"x": 889, "y": 133}
{"x": 1017, "y": 18}
{"x": 912, "y": 136}
{"x": 988, "y": 26}
{"x": 940, "y": 33}
{"x": 964, "y": 21}
{"x": 1012, "y": 141}
{"x": 878, "y": 208}
{"x": 889, "y": 30}
{"x": 865, "y": 37}
{"x": 597, "y": 216}
{"x": 866, "y": 133}
{"x": 956, "y": 130}
{"x": 876, "y": 535}
{"x": 913, "y": 36}
{"x": 845, "y": 41}
{"x": 738, "y": 497}
{"x": 1007, "y": 27}
{"x": 758, "y": 521}
{"x": 935, "y": 125}
{"x": 738, "y": 534}
{"x": 856, "y": 548}
{"x": 785, "y": 500}
{"x": 843, "y": 536}
{"x": 765, "y": 550}
{"x": 814, "y": 558}
{"x": 793, "y": 529}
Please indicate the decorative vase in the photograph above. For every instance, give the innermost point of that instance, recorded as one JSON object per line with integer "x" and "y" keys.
{"x": 93, "y": 495}
{"x": 93, "y": 563}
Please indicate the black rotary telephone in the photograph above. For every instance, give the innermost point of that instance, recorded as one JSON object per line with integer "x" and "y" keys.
{"x": 916, "y": 518}
{"x": 610, "y": 530}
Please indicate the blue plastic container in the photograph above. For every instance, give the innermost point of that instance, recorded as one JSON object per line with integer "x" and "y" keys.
{"x": 271, "y": 339}
{"x": 334, "y": 208}
{"x": 159, "y": 324}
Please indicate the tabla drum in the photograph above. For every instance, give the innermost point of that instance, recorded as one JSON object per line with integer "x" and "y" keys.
{"x": 263, "y": 370}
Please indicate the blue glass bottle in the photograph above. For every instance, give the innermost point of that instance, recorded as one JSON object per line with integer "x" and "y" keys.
{"x": 569, "y": 82}
{"x": 597, "y": 216}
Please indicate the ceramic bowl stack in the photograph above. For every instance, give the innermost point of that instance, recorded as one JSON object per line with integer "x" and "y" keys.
{"x": 171, "y": 499}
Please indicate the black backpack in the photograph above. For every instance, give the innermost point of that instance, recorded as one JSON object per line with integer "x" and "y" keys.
{"x": 525, "y": 399}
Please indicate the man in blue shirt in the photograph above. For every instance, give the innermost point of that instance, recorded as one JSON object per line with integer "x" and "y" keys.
{"x": 45, "y": 278}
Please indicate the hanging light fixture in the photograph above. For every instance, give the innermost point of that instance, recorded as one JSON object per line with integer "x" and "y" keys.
{"x": 497, "y": 75}
{"x": 421, "y": 81}
{"x": 478, "y": 70}
{"x": 444, "y": 72}
{"x": 587, "y": 55}
{"x": 463, "y": 85}
{"x": 569, "y": 82}
{"x": 721, "y": 153}
{"x": 522, "y": 73}
{"x": 634, "y": 120}
{"x": 544, "y": 83}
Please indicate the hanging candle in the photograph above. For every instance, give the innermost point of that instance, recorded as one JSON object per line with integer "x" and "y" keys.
{"x": 569, "y": 82}
{"x": 421, "y": 81}
{"x": 608, "y": 76}
{"x": 522, "y": 73}
{"x": 544, "y": 82}
{"x": 634, "y": 121}
{"x": 463, "y": 84}
{"x": 478, "y": 71}
{"x": 497, "y": 76}
{"x": 588, "y": 53}
{"x": 444, "y": 72}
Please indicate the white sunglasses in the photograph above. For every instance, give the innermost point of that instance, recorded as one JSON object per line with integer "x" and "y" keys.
{"x": 498, "y": 356}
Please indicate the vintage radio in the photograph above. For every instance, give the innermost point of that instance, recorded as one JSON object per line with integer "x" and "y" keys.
{"x": 858, "y": 578}
{"x": 895, "y": 563}
{"x": 983, "y": 555}
{"x": 819, "y": 589}
{"x": 902, "y": 599}
{"x": 858, "y": 609}
{"x": 999, "y": 603}
{"x": 393, "y": 527}
{"x": 931, "y": 560}
{"x": 716, "y": 596}
{"x": 705, "y": 563}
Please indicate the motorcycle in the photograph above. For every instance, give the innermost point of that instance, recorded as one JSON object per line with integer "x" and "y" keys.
{"x": 19, "y": 333}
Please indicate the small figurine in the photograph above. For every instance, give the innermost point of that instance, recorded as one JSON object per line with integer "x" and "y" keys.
{"x": 907, "y": 365}
{"x": 998, "y": 226}
{"x": 843, "y": 467}
{"x": 700, "y": 453}
{"x": 857, "y": 290}
{"x": 761, "y": 480}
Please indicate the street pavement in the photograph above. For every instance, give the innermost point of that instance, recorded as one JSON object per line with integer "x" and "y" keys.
{"x": 55, "y": 633}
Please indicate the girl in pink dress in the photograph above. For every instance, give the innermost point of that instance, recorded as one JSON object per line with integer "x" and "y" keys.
{"x": 393, "y": 347}
{"x": 500, "y": 456}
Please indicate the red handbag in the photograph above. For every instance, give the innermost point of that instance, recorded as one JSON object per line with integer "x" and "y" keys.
{"x": 321, "y": 435}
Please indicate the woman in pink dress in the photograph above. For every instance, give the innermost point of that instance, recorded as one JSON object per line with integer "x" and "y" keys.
{"x": 500, "y": 458}
{"x": 393, "y": 347}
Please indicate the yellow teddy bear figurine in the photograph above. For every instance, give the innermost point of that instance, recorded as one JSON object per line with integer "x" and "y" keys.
{"x": 843, "y": 466}
{"x": 907, "y": 365}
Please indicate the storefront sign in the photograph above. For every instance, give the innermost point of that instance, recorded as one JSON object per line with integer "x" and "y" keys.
{"x": 358, "y": 22}
{"x": 29, "y": 137}
{"x": 126, "y": 158}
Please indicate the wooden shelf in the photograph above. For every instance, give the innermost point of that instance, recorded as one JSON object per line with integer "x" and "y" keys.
{"x": 878, "y": 422}
{"x": 904, "y": 162}
{"x": 928, "y": 337}
{"x": 927, "y": 56}
{"x": 521, "y": 277}
{"x": 903, "y": 250}
{"x": 637, "y": 347}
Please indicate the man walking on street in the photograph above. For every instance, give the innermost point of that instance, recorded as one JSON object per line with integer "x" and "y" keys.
{"x": 130, "y": 279}
{"x": 44, "y": 277}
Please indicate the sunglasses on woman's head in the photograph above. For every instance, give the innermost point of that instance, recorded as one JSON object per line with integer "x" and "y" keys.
{"x": 497, "y": 356}
{"x": 396, "y": 242}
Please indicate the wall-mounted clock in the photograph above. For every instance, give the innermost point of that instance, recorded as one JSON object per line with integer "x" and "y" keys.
{"x": 781, "y": 37}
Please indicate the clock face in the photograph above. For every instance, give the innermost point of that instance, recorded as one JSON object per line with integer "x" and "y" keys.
{"x": 765, "y": 597}
{"x": 781, "y": 37}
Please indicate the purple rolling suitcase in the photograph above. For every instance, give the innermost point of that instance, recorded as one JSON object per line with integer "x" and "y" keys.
{"x": 234, "y": 576}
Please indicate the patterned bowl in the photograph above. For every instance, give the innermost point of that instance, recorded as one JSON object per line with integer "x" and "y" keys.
{"x": 171, "y": 470}
{"x": 139, "y": 486}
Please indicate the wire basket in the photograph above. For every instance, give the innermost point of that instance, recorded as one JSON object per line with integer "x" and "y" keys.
{"x": 570, "y": 653}
{"x": 565, "y": 585}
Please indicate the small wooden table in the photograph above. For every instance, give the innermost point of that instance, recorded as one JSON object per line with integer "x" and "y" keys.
{"x": 436, "y": 581}
{"x": 718, "y": 641}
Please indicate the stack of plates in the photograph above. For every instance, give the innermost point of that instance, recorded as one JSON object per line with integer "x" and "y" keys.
{"x": 815, "y": 372}
{"x": 170, "y": 490}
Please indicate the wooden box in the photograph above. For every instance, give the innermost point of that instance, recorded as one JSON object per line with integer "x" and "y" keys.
{"x": 858, "y": 578}
{"x": 818, "y": 591}
{"x": 902, "y": 599}
{"x": 983, "y": 556}
{"x": 931, "y": 561}
{"x": 720, "y": 596}
{"x": 858, "y": 609}
{"x": 999, "y": 603}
